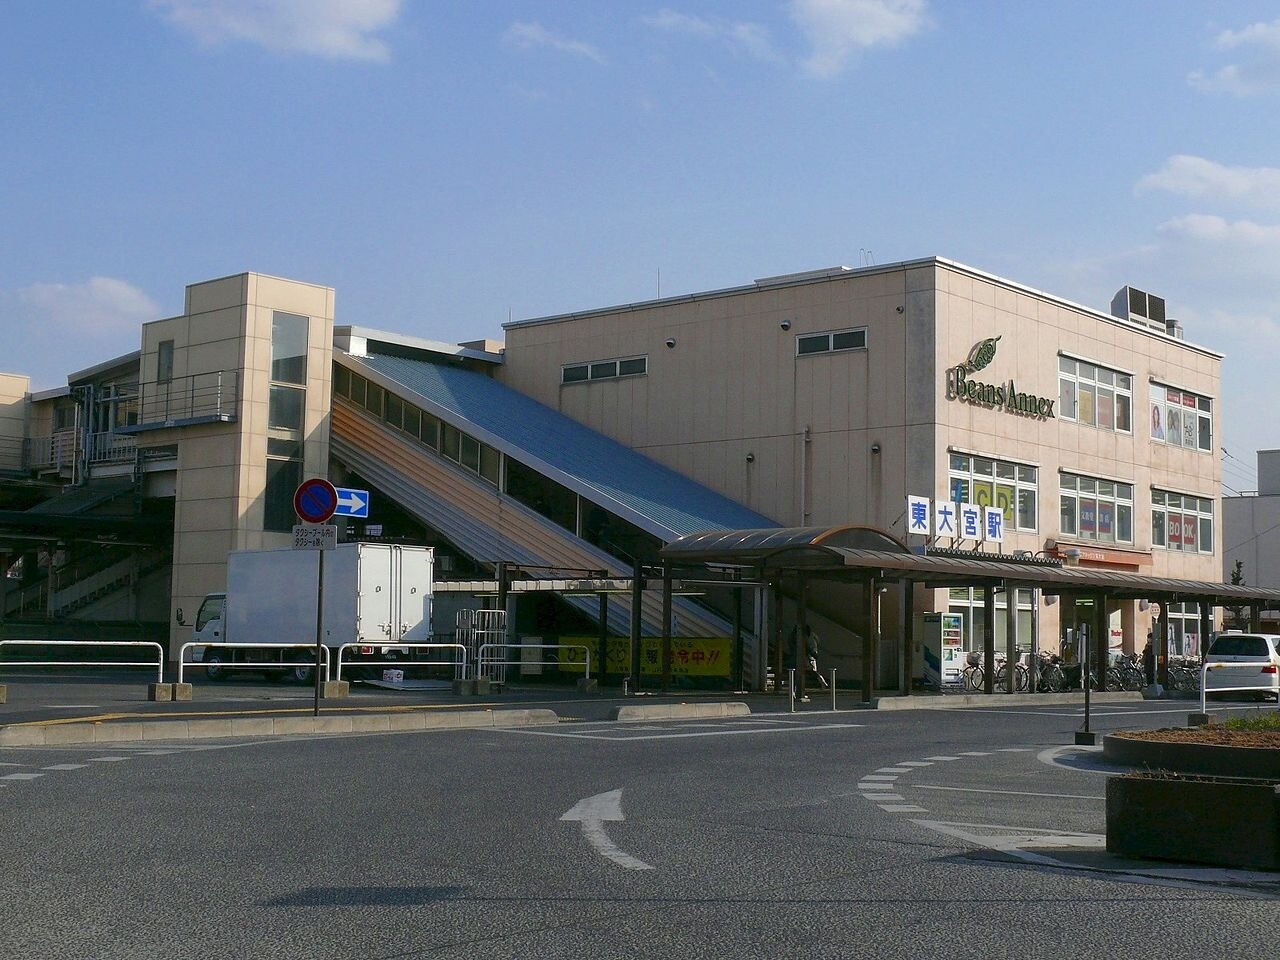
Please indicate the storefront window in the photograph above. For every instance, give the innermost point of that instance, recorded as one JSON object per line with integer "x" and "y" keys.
{"x": 1094, "y": 395}
{"x": 1181, "y": 418}
{"x": 996, "y": 483}
{"x": 1094, "y": 509}
{"x": 1181, "y": 522}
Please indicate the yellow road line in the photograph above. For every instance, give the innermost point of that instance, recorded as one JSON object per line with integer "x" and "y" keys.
{"x": 102, "y": 717}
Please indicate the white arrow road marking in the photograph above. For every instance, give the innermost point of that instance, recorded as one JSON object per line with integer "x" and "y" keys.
{"x": 592, "y": 813}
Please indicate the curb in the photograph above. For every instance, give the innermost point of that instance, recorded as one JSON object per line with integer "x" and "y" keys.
{"x": 34, "y": 735}
{"x": 951, "y": 701}
{"x": 681, "y": 711}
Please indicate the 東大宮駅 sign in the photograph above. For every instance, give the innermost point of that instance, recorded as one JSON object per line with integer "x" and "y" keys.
{"x": 961, "y": 386}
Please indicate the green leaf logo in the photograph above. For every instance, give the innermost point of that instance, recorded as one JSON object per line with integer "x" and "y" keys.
{"x": 983, "y": 352}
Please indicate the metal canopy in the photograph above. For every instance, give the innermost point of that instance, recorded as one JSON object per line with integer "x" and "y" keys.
{"x": 851, "y": 553}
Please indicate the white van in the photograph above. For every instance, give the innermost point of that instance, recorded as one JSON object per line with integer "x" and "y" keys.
{"x": 1248, "y": 661}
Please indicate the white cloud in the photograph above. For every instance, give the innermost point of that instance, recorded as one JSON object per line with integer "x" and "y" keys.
{"x": 526, "y": 35}
{"x": 341, "y": 29}
{"x": 99, "y": 307}
{"x": 841, "y": 29}
{"x": 1203, "y": 179}
{"x": 744, "y": 36}
{"x": 1258, "y": 73}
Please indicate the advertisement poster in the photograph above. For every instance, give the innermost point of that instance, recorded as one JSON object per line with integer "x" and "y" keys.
{"x": 690, "y": 656}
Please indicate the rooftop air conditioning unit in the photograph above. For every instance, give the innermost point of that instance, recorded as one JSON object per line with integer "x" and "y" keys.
{"x": 1138, "y": 306}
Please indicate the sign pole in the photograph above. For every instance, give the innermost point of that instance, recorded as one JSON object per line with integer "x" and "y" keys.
{"x": 319, "y": 624}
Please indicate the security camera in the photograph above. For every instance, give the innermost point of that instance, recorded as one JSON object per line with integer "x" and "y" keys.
{"x": 671, "y": 342}
{"x": 785, "y": 324}
{"x": 751, "y": 458}
{"x": 875, "y": 448}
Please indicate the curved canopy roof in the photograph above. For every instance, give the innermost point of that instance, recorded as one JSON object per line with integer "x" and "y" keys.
{"x": 852, "y": 553}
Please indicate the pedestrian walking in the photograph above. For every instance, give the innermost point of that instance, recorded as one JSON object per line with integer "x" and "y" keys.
{"x": 811, "y": 647}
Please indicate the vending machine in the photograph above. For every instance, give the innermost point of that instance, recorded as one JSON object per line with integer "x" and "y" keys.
{"x": 939, "y": 643}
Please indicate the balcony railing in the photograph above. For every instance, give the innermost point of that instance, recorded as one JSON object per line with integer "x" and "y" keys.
{"x": 11, "y": 452}
{"x": 61, "y": 451}
{"x": 199, "y": 398}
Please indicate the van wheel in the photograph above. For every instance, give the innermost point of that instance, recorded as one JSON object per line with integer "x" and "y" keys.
{"x": 213, "y": 666}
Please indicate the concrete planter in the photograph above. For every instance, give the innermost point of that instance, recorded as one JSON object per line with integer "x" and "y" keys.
{"x": 1231, "y": 823}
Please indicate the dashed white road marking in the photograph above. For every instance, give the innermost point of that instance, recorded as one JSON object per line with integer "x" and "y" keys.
{"x": 915, "y": 763}
{"x": 902, "y": 808}
{"x": 885, "y": 797}
{"x": 1011, "y": 793}
{"x": 864, "y": 785}
{"x": 64, "y": 766}
{"x": 894, "y": 770}
{"x": 1015, "y": 750}
{"x": 21, "y": 776}
{"x": 106, "y": 759}
{"x": 7, "y": 764}
{"x": 976, "y": 753}
{"x": 879, "y": 776}
{"x": 942, "y": 758}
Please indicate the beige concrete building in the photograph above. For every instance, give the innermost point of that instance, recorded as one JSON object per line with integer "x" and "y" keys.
{"x": 829, "y": 397}
{"x": 816, "y": 399}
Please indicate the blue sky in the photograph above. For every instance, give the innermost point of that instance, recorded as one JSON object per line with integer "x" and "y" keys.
{"x": 447, "y": 165}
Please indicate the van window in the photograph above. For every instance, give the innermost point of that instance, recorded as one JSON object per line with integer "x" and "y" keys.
{"x": 211, "y": 609}
{"x": 1239, "y": 645}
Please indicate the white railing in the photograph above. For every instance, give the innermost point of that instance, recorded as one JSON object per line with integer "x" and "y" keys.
{"x": 112, "y": 448}
{"x": 1269, "y": 686}
{"x": 281, "y": 664}
{"x": 459, "y": 662}
{"x": 158, "y": 662}
{"x": 485, "y": 665}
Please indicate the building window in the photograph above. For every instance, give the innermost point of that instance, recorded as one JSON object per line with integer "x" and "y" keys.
{"x": 996, "y": 483}
{"x": 164, "y": 361}
{"x": 289, "y": 348}
{"x": 1181, "y": 418}
{"x": 286, "y": 412}
{"x": 1180, "y": 521}
{"x": 969, "y": 603}
{"x": 1184, "y": 630}
{"x": 604, "y": 370}
{"x": 832, "y": 341}
{"x": 1095, "y": 395}
{"x": 1095, "y": 509}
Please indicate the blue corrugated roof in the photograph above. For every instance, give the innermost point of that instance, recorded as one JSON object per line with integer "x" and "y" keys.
{"x": 601, "y": 469}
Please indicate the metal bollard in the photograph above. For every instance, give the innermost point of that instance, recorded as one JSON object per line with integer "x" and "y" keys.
{"x": 625, "y": 682}
{"x": 791, "y": 688}
{"x": 833, "y": 689}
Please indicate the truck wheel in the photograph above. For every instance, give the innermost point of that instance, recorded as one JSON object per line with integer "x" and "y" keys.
{"x": 213, "y": 666}
{"x": 300, "y": 672}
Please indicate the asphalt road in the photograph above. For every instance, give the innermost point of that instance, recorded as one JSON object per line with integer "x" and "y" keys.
{"x": 964, "y": 833}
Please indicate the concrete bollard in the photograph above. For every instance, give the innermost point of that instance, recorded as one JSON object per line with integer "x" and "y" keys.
{"x": 181, "y": 691}
{"x": 484, "y": 686}
{"x": 4, "y": 693}
{"x": 159, "y": 692}
{"x": 1198, "y": 720}
{"x": 335, "y": 690}
{"x": 588, "y": 685}
{"x": 465, "y": 688}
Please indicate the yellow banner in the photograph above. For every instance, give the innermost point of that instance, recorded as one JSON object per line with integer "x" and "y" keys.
{"x": 690, "y": 656}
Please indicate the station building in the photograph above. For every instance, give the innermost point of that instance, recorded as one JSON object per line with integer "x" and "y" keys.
{"x": 587, "y": 440}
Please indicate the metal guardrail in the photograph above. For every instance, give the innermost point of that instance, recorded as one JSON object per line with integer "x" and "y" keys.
{"x": 183, "y": 662}
{"x": 459, "y": 662}
{"x": 1204, "y": 676}
{"x": 158, "y": 663}
{"x": 203, "y": 395}
{"x": 485, "y": 665}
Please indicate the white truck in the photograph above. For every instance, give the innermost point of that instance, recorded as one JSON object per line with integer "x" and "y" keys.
{"x": 376, "y": 595}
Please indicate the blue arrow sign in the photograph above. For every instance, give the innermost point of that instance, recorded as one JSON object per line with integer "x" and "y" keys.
{"x": 352, "y": 503}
